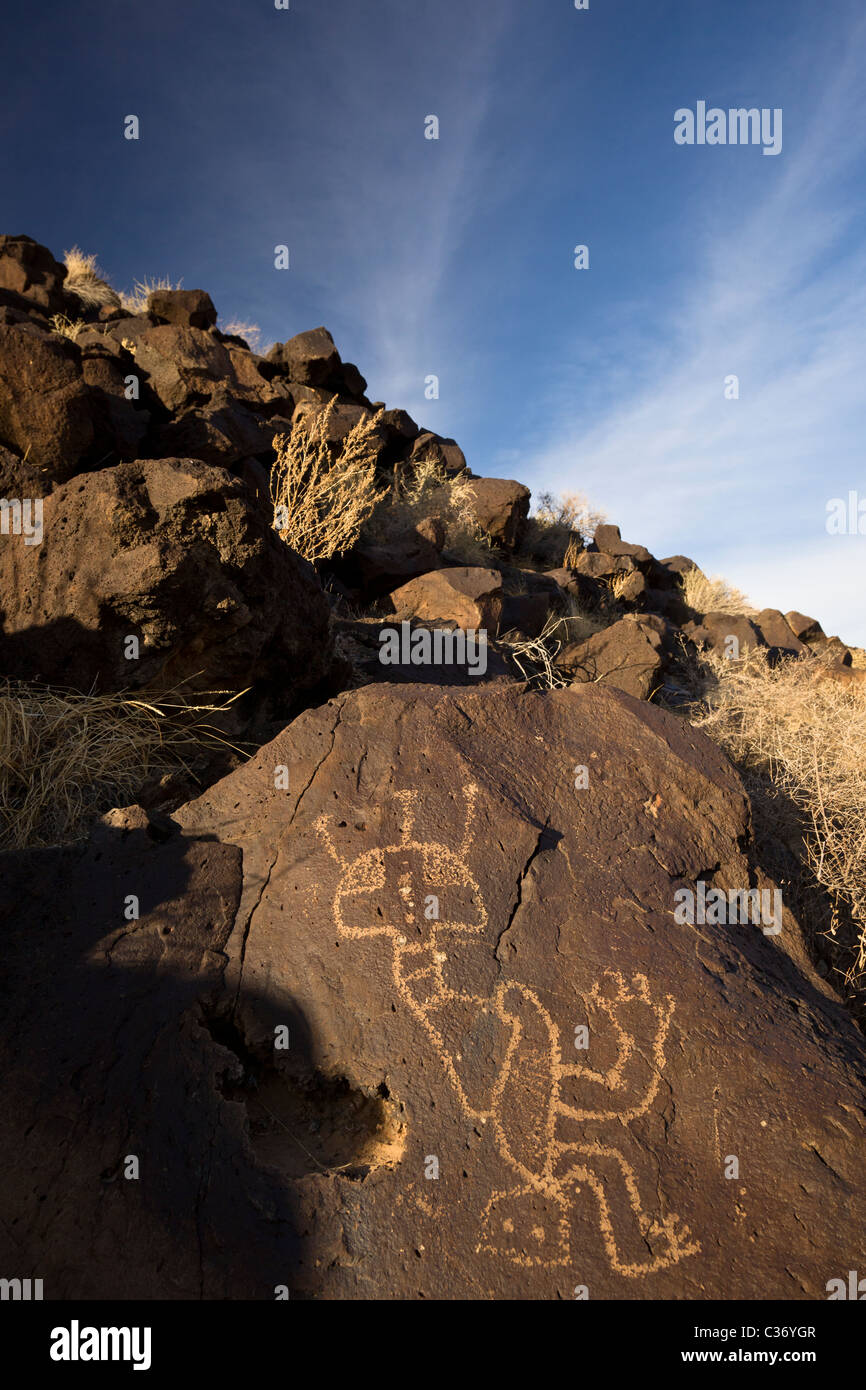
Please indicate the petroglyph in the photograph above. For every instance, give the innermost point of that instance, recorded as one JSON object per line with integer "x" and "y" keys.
{"x": 541, "y": 1108}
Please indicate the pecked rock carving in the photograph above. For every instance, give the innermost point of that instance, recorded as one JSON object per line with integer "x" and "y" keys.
{"x": 533, "y": 1093}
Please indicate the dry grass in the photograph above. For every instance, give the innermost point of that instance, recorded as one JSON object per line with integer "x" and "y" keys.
{"x": 65, "y": 757}
{"x": 559, "y": 529}
{"x": 572, "y": 551}
{"x": 135, "y": 301}
{"x": 617, "y": 582}
{"x": 800, "y": 743}
{"x": 427, "y": 491}
{"x": 67, "y": 328}
{"x": 534, "y": 657}
{"x": 322, "y": 495}
{"x": 572, "y": 511}
{"x": 715, "y": 595}
{"x": 85, "y": 280}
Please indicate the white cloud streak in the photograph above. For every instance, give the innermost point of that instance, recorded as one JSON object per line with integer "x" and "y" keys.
{"x": 778, "y": 297}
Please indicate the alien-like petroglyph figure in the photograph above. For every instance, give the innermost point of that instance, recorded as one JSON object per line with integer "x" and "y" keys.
{"x": 544, "y": 1111}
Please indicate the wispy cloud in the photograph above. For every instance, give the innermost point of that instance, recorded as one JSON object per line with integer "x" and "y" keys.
{"x": 400, "y": 237}
{"x": 776, "y": 296}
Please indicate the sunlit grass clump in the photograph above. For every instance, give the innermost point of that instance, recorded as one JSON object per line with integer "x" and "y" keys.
{"x": 66, "y": 758}
{"x": 798, "y": 737}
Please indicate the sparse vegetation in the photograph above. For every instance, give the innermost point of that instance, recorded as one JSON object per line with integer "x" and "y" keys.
{"x": 572, "y": 511}
{"x": 85, "y": 280}
{"x": 322, "y": 494}
{"x": 67, "y": 757}
{"x": 800, "y": 745}
{"x": 559, "y": 528}
{"x": 713, "y": 595}
{"x": 135, "y": 302}
{"x": 426, "y": 491}
{"x": 534, "y": 657}
{"x": 67, "y": 328}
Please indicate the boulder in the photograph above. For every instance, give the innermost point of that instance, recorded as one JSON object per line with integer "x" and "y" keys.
{"x": 437, "y": 910}
{"x": 384, "y": 564}
{"x": 468, "y": 596}
{"x": 185, "y": 308}
{"x": 221, "y": 433}
{"x": 832, "y": 650}
{"x": 398, "y": 427}
{"x": 633, "y": 589}
{"x": 351, "y": 381}
{"x": 18, "y": 478}
{"x": 598, "y": 566}
{"x": 608, "y": 540}
{"x": 587, "y": 591}
{"x": 806, "y": 629}
{"x": 444, "y": 453}
{"x": 838, "y": 671}
{"x": 344, "y": 417}
{"x": 46, "y": 410}
{"x": 724, "y": 633}
{"x": 525, "y": 613}
{"x": 630, "y": 654}
{"x": 500, "y": 508}
{"x": 668, "y": 603}
{"x": 310, "y": 358}
{"x": 177, "y": 555}
{"x": 30, "y": 270}
{"x": 678, "y": 566}
{"x": 183, "y": 365}
{"x": 776, "y": 632}
{"x": 251, "y": 384}
{"x": 123, "y": 423}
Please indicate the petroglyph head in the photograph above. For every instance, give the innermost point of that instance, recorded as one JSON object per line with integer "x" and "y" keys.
{"x": 415, "y": 890}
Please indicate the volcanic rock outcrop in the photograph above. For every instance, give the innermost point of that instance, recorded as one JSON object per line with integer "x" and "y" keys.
{"x": 165, "y": 573}
{"x": 459, "y": 987}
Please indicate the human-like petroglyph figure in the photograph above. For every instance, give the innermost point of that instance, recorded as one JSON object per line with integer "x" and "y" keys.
{"x": 560, "y": 1125}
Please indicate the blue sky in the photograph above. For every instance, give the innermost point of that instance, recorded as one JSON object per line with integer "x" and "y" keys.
{"x": 455, "y": 257}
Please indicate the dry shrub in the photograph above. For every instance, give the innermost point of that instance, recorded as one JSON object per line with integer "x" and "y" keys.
{"x": 572, "y": 551}
{"x": 135, "y": 301}
{"x": 800, "y": 744}
{"x": 85, "y": 280}
{"x": 616, "y": 583}
{"x": 323, "y": 494}
{"x": 427, "y": 491}
{"x": 572, "y": 511}
{"x": 65, "y": 757}
{"x": 534, "y": 657}
{"x": 715, "y": 595}
{"x": 67, "y": 328}
{"x": 559, "y": 529}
